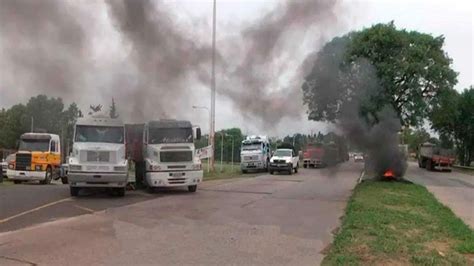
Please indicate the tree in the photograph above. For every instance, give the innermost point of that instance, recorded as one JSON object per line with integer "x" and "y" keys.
{"x": 378, "y": 67}
{"x": 113, "y": 110}
{"x": 453, "y": 117}
{"x": 414, "y": 138}
{"x": 95, "y": 109}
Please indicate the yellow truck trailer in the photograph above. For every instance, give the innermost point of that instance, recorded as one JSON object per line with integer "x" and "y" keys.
{"x": 38, "y": 158}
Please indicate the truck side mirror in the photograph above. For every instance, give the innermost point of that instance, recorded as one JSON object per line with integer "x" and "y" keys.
{"x": 198, "y": 133}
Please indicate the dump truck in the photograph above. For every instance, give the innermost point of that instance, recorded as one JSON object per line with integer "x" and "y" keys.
{"x": 255, "y": 153}
{"x": 164, "y": 154}
{"x": 433, "y": 157}
{"x": 98, "y": 158}
{"x": 38, "y": 159}
{"x": 324, "y": 154}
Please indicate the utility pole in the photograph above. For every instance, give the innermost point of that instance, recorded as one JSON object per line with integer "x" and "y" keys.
{"x": 213, "y": 87}
{"x": 222, "y": 148}
{"x": 232, "y": 154}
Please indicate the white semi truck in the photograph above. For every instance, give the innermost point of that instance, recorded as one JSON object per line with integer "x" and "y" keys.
{"x": 98, "y": 158}
{"x": 165, "y": 156}
{"x": 255, "y": 153}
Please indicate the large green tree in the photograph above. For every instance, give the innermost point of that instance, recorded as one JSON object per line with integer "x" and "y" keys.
{"x": 453, "y": 118}
{"x": 378, "y": 67}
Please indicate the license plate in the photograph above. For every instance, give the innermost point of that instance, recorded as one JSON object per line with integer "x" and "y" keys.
{"x": 177, "y": 174}
{"x": 251, "y": 164}
{"x": 282, "y": 165}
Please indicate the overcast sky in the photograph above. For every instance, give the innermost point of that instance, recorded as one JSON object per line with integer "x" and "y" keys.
{"x": 453, "y": 19}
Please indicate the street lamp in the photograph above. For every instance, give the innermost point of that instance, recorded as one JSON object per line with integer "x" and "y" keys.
{"x": 209, "y": 138}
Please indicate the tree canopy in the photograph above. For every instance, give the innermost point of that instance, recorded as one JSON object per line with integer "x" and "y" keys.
{"x": 378, "y": 67}
{"x": 453, "y": 117}
{"x": 45, "y": 114}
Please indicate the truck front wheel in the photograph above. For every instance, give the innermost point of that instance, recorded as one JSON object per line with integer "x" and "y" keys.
{"x": 192, "y": 188}
{"x": 64, "y": 180}
{"x": 48, "y": 177}
{"x": 120, "y": 192}
{"x": 296, "y": 169}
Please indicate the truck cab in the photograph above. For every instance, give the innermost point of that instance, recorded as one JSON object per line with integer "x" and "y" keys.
{"x": 255, "y": 154}
{"x": 38, "y": 158}
{"x": 284, "y": 159}
{"x": 98, "y": 158}
{"x": 169, "y": 154}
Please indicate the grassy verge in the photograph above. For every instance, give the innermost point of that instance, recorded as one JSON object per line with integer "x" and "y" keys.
{"x": 227, "y": 171}
{"x": 394, "y": 223}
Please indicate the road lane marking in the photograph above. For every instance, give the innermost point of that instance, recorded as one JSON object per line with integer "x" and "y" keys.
{"x": 84, "y": 209}
{"x": 34, "y": 210}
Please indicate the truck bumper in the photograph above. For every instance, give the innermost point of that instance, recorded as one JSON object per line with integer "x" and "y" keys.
{"x": 274, "y": 167}
{"x": 26, "y": 175}
{"x": 252, "y": 165}
{"x": 174, "y": 179}
{"x": 313, "y": 163}
{"x": 97, "y": 179}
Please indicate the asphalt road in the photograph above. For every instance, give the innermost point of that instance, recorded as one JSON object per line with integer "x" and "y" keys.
{"x": 28, "y": 204}
{"x": 454, "y": 189}
{"x": 270, "y": 219}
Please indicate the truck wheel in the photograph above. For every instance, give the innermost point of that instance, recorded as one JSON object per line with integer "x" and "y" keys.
{"x": 192, "y": 188}
{"x": 296, "y": 169}
{"x": 64, "y": 180}
{"x": 120, "y": 192}
{"x": 429, "y": 165}
{"x": 244, "y": 171}
{"x": 291, "y": 170}
{"x": 16, "y": 182}
{"x": 74, "y": 191}
{"x": 48, "y": 177}
{"x": 305, "y": 166}
{"x": 271, "y": 172}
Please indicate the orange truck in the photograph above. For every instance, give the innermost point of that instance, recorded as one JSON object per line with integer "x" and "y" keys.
{"x": 38, "y": 159}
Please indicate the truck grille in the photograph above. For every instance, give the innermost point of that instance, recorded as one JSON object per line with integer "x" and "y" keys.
{"x": 177, "y": 180}
{"x": 176, "y": 156}
{"x": 23, "y": 161}
{"x": 98, "y": 156}
{"x": 279, "y": 161}
{"x": 250, "y": 158}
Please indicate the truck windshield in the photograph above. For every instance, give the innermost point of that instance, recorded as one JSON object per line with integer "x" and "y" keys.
{"x": 99, "y": 134}
{"x": 282, "y": 153}
{"x": 170, "y": 135}
{"x": 251, "y": 147}
{"x": 34, "y": 145}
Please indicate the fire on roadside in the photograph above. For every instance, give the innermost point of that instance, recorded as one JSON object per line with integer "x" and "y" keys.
{"x": 389, "y": 174}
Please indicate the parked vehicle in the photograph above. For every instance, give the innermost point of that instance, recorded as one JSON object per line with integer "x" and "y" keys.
{"x": 98, "y": 158}
{"x": 284, "y": 159}
{"x": 358, "y": 157}
{"x": 313, "y": 155}
{"x": 255, "y": 153}
{"x": 325, "y": 154}
{"x": 432, "y": 157}
{"x": 38, "y": 158}
{"x": 164, "y": 153}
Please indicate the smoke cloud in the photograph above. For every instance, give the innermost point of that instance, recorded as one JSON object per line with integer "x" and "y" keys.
{"x": 348, "y": 96}
{"x": 57, "y": 48}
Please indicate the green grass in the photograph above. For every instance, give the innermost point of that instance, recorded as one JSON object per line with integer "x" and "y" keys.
{"x": 226, "y": 172}
{"x": 399, "y": 223}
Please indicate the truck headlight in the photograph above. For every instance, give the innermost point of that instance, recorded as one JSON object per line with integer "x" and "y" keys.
{"x": 120, "y": 168}
{"x": 11, "y": 166}
{"x": 76, "y": 167}
{"x": 38, "y": 167}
